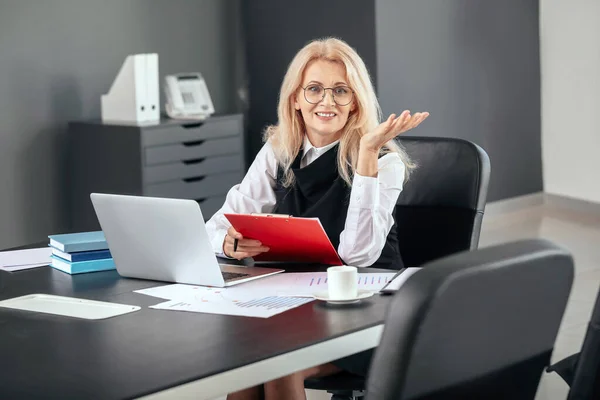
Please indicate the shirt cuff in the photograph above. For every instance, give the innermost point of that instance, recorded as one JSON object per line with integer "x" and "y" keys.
{"x": 217, "y": 242}
{"x": 365, "y": 192}
{"x": 223, "y": 255}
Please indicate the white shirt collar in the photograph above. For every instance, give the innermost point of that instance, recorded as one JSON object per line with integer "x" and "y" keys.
{"x": 318, "y": 150}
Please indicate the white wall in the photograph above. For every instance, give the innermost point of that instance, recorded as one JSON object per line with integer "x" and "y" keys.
{"x": 570, "y": 81}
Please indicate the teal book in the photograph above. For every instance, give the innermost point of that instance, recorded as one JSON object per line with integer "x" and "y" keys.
{"x": 82, "y": 255}
{"x": 82, "y": 266}
{"x": 81, "y": 241}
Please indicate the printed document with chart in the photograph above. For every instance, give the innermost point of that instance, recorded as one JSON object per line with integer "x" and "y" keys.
{"x": 261, "y": 298}
{"x": 221, "y": 300}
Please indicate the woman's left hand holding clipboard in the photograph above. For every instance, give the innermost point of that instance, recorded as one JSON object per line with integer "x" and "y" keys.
{"x": 236, "y": 246}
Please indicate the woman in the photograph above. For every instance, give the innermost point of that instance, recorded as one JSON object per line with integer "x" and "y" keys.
{"x": 327, "y": 157}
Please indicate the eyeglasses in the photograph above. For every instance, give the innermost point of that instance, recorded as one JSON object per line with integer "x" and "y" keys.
{"x": 315, "y": 93}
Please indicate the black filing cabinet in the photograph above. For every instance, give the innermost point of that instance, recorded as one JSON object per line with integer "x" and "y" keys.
{"x": 174, "y": 159}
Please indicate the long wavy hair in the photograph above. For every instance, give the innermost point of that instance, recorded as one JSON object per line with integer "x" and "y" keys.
{"x": 287, "y": 136}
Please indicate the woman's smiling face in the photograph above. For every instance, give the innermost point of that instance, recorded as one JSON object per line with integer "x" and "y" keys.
{"x": 325, "y": 119}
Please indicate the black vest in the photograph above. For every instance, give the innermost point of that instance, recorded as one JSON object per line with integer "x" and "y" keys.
{"x": 319, "y": 191}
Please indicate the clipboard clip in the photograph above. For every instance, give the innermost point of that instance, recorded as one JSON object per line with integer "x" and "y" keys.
{"x": 272, "y": 215}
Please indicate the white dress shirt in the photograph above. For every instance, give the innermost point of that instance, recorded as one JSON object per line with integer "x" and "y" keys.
{"x": 369, "y": 218}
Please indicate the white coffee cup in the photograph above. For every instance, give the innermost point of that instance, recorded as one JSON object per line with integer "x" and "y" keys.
{"x": 342, "y": 282}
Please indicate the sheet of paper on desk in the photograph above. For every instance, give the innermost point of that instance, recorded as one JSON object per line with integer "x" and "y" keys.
{"x": 400, "y": 279}
{"x": 306, "y": 284}
{"x": 221, "y": 301}
{"x": 28, "y": 258}
{"x": 22, "y": 267}
{"x": 260, "y": 307}
{"x": 177, "y": 291}
{"x": 299, "y": 284}
{"x": 262, "y": 298}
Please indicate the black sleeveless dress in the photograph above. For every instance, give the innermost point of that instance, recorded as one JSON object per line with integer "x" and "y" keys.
{"x": 319, "y": 191}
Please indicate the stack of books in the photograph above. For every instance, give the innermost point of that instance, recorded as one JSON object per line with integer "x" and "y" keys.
{"x": 76, "y": 253}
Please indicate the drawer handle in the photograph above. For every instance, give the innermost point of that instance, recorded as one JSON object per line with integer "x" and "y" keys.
{"x": 194, "y": 179}
{"x": 194, "y": 161}
{"x": 192, "y": 125}
{"x": 193, "y": 143}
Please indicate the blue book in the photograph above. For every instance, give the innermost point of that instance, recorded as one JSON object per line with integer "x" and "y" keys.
{"x": 82, "y": 241}
{"x": 82, "y": 255}
{"x": 82, "y": 266}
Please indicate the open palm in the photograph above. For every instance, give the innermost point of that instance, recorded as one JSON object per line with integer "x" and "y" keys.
{"x": 391, "y": 128}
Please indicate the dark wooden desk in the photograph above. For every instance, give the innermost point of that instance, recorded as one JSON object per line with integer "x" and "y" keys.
{"x": 161, "y": 353}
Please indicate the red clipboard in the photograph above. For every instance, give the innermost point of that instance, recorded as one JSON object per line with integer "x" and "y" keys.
{"x": 288, "y": 238}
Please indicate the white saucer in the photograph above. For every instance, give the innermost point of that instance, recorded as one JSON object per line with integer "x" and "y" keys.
{"x": 362, "y": 294}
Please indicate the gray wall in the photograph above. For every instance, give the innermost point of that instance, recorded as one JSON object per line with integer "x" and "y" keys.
{"x": 57, "y": 58}
{"x": 473, "y": 64}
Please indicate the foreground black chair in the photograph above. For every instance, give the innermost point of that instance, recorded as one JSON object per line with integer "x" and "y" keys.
{"x": 581, "y": 371}
{"x": 439, "y": 212}
{"x": 476, "y": 325}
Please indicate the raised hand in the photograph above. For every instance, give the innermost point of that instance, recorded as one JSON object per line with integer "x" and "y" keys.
{"x": 390, "y": 128}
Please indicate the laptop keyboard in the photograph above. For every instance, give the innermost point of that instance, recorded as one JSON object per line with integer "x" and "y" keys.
{"x": 228, "y": 276}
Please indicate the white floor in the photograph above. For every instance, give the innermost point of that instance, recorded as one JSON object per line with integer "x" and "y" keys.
{"x": 579, "y": 233}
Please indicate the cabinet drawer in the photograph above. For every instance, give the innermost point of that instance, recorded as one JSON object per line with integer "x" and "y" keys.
{"x": 211, "y": 205}
{"x": 195, "y": 188}
{"x": 192, "y": 150}
{"x": 183, "y": 132}
{"x": 192, "y": 168}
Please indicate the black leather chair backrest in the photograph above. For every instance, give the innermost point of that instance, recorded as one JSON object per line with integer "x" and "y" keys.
{"x": 586, "y": 381}
{"x": 475, "y": 325}
{"x": 581, "y": 371}
{"x": 440, "y": 208}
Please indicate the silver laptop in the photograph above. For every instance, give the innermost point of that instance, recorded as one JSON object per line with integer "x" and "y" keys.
{"x": 165, "y": 240}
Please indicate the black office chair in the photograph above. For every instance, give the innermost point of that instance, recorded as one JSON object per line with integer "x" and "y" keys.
{"x": 438, "y": 213}
{"x": 581, "y": 371}
{"x": 475, "y": 325}
{"x": 440, "y": 210}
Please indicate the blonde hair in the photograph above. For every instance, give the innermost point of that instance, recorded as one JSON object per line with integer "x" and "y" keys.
{"x": 287, "y": 136}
